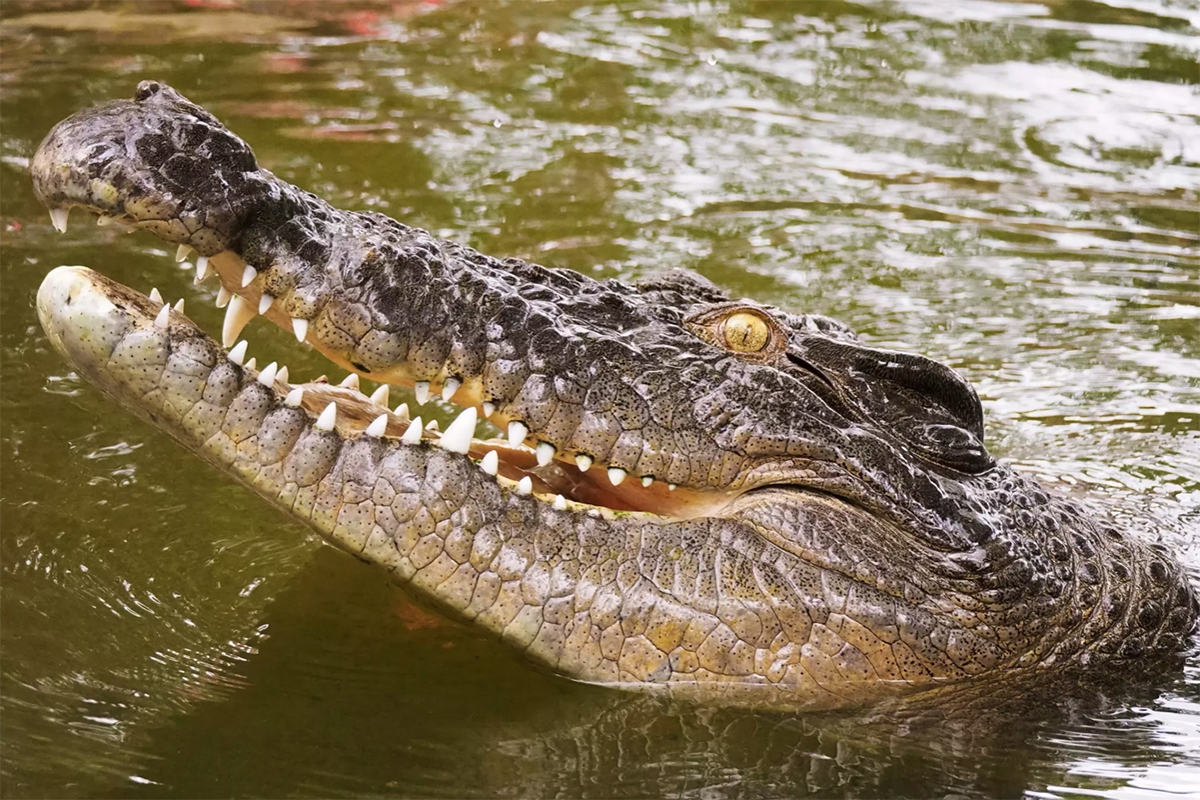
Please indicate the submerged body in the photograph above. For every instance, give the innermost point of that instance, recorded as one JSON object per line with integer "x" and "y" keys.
{"x": 696, "y": 492}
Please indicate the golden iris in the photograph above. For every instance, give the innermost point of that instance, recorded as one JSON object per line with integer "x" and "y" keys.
{"x": 746, "y": 332}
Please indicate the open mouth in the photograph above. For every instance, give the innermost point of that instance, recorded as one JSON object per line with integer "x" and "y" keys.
{"x": 517, "y": 462}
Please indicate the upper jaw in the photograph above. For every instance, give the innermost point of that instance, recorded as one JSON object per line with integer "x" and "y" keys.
{"x": 400, "y": 307}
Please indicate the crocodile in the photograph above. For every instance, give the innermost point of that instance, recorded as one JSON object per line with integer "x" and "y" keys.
{"x": 677, "y": 490}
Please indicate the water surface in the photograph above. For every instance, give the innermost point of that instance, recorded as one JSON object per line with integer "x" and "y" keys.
{"x": 1007, "y": 187}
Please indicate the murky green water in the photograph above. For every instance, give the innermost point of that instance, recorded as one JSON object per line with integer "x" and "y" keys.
{"x": 1009, "y": 187}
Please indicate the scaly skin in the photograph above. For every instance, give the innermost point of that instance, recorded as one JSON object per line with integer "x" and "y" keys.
{"x": 774, "y": 512}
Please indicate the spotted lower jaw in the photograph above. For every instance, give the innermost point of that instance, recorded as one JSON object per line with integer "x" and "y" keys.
{"x": 528, "y": 465}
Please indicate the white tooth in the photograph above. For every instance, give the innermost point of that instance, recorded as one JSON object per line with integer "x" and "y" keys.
{"x": 421, "y": 390}
{"x": 282, "y": 377}
{"x": 380, "y": 396}
{"x": 458, "y": 436}
{"x": 328, "y": 418}
{"x": 294, "y": 398}
{"x": 545, "y": 453}
{"x": 203, "y": 270}
{"x": 516, "y": 433}
{"x": 163, "y": 318}
{"x": 58, "y": 218}
{"x": 432, "y": 425}
{"x": 450, "y": 387}
{"x": 560, "y": 502}
{"x": 616, "y": 475}
{"x": 350, "y": 381}
{"x": 490, "y": 463}
{"x": 252, "y": 364}
{"x": 264, "y": 303}
{"x": 647, "y": 480}
{"x": 179, "y": 305}
{"x": 267, "y": 376}
{"x": 237, "y": 315}
{"x": 584, "y": 462}
{"x": 248, "y": 276}
{"x": 378, "y": 426}
{"x": 525, "y": 485}
{"x": 401, "y": 410}
{"x": 182, "y": 253}
{"x": 413, "y": 434}
{"x": 155, "y": 296}
{"x": 672, "y": 486}
{"x": 223, "y": 297}
{"x": 300, "y": 326}
{"x": 488, "y": 409}
{"x": 237, "y": 353}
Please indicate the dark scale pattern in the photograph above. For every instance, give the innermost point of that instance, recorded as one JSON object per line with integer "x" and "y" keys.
{"x": 869, "y": 536}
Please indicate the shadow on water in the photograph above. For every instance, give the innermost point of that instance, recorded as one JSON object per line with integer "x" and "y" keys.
{"x": 1006, "y": 186}
{"x": 468, "y": 718}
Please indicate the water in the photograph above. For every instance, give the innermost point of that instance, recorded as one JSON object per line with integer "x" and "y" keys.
{"x": 1008, "y": 187}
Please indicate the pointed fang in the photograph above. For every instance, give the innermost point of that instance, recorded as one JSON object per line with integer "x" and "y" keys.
{"x": 421, "y": 390}
{"x": 458, "y": 436}
{"x": 584, "y": 462}
{"x": 413, "y": 434}
{"x": 223, "y": 297}
{"x": 380, "y": 396}
{"x": 525, "y": 486}
{"x": 488, "y": 409}
{"x": 183, "y": 252}
{"x": 248, "y": 276}
{"x": 237, "y": 315}
{"x": 237, "y": 353}
{"x": 545, "y": 453}
{"x": 282, "y": 377}
{"x": 401, "y": 410}
{"x": 450, "y": 387}
{"x": 300, "y": 328}
{"x": 58, "y": 218}
{"x": 378, "y": 426}
{"x": 350, "y": 381}
{"x": 155, "y": 295}
{"x": 616, "y": 475}
{"x": 267, "y": 376}
{"x": 252, "y": 364}
{"x": 264, "y": 303}
{"x": 179, "y": 305}
{"x": 163, "y": 318}
{"x": 328, "y": 418}
{"x": 294, "y": 398}
{"x": 560, "y": 502}
{"x": 517, "y": 431}
{"x": 203, "y": 270}
{"x": 490, "y": 463}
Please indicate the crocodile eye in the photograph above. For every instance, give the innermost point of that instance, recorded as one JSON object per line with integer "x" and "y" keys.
{"x": 745, "y": 332}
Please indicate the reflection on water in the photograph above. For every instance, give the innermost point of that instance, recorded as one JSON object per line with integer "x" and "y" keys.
{"x": 1008, "y": 187}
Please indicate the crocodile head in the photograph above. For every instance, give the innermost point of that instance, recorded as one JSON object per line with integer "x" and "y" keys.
{"x": 692, "y": 490}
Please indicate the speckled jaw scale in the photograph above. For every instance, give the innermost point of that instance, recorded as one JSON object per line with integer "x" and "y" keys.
{"x": 445, "y": 522}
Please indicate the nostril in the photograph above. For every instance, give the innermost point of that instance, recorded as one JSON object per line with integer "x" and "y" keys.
{"x": 146, "y": 90}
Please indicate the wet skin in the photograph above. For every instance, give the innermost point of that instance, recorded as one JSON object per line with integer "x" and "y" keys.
{"x": 697, "y": 492}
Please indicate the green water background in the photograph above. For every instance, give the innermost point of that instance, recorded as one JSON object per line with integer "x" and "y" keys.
{"x": 1011, "y": 188}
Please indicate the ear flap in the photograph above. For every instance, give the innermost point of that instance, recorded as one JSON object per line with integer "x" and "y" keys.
{"x": 927, "y": 404}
